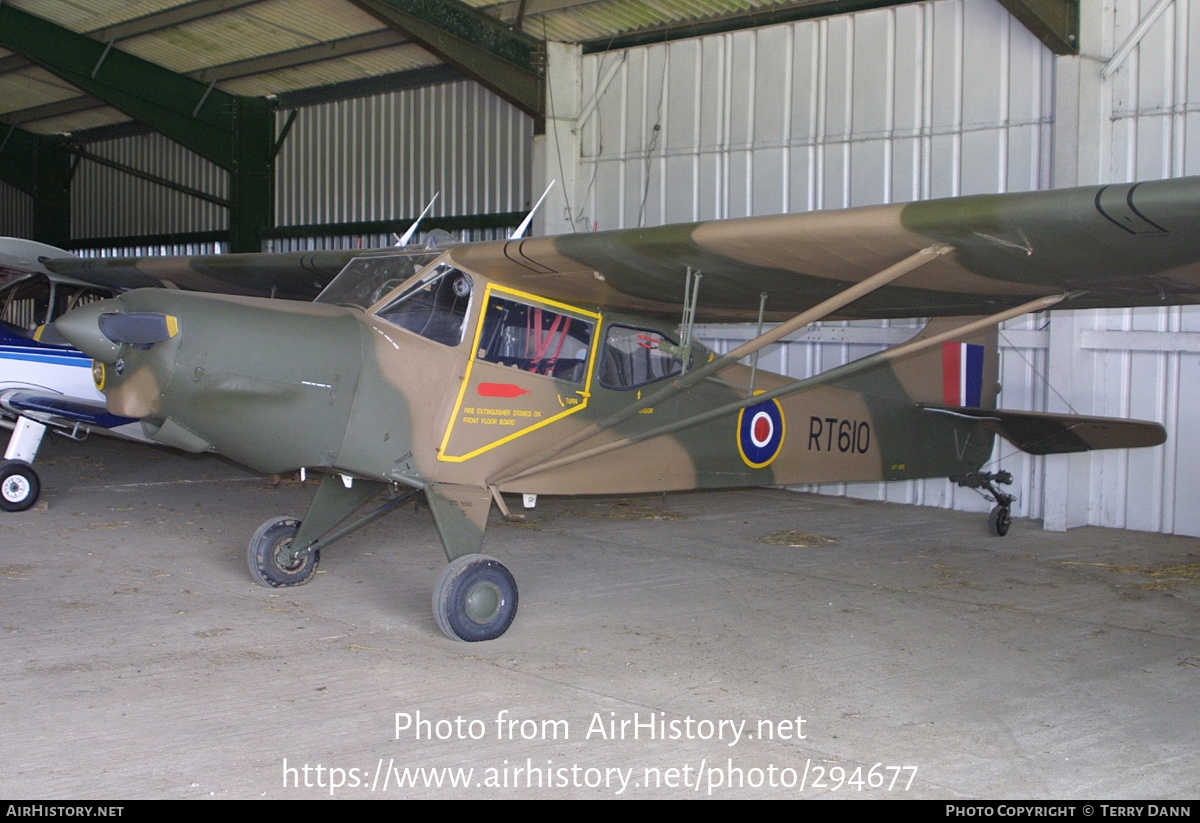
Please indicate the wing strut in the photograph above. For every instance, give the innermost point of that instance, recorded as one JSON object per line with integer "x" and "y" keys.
{"x": 691, "y": 378}
{"x": 830, "y": 376}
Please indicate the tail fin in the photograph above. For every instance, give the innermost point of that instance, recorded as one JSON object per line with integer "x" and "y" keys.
{"x": 961, "y": 372}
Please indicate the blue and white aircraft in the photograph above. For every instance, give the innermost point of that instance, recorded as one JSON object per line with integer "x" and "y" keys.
{"x": 44, "y": 383}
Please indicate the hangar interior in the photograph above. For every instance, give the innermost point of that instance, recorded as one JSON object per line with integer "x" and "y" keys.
{"x": 159, "y": 127}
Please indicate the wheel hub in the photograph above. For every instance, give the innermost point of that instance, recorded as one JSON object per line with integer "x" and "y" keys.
{"x": 16, "y": 489}
{"x": 284, "y": 558}
{"x": 484, "y": 602}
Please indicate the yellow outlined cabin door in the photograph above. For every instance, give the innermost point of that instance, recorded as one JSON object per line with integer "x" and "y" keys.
{"x": 532, "y": 365}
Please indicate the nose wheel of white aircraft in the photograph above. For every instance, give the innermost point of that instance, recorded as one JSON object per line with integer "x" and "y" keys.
{"x": 271, "y": 563}
{"x": 475, "y": 598}
{"x": 19, "y": 486}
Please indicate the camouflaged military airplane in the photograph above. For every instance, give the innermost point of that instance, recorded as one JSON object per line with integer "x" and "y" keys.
{"x": 568, "y": 365}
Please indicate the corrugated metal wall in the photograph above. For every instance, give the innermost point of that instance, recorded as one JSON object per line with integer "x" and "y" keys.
{"x": 898, "y": 104}
{"x": 382, "y": 158}
{"x": 375, "y": 158}
{"x": 16, "y": 212}
{"x": 106, "y": 202}
{"x": 917, "y": 101}
{"x": 377, "y": 240}
{"x": 1109, "y": 364}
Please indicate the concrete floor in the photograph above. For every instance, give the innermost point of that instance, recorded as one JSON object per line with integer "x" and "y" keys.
{"x": 918, "y": 653}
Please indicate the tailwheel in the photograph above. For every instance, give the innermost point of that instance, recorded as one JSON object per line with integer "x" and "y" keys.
{"x": 987, "y": 483}
{"x": 999, "y": 521}
{"x": 271, "y": 558}
{"x": 19, "y": 486}
{"x": 475, "y": 598}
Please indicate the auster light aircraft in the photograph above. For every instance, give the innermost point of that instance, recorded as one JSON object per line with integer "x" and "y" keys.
{"x": 567, "y": 365}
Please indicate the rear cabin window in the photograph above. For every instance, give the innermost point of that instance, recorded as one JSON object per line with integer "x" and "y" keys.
{"x": 634, "y": 357}
{"x": 536, "y": 339}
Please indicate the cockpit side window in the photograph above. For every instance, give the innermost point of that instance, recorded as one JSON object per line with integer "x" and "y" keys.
{"x": 634, "y": 357}
{"x": 434, "y": 307}
{"x": 25, "y": 306}
{"x": 535, "y": 339}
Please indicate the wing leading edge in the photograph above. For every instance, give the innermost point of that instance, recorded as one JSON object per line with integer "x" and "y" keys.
{"x": 1120, "y": 245}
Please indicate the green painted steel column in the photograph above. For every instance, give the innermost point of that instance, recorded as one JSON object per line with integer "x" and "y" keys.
{"x": 252, "y": 177}
{"x": 40, "y": 166}
{"x": 52, "y": 197}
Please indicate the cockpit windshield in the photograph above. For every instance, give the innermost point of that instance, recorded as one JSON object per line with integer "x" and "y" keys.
{"x": 433, "y": 305}
{"x": 366, "y": 280}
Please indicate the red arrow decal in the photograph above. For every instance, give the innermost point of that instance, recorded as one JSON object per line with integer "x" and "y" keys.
{"x": 502, "y": 390}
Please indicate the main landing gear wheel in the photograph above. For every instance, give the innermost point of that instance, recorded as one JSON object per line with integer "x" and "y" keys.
{"x": 266, "y": 555}
{"x": 999, "y": 521}
{"x": 19, "y": 486}
{"x": 475, "y": 598}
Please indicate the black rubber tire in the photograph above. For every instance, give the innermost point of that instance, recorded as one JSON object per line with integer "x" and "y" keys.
{"x": 475, "y": 599}
{"x": 262, "y": 555}
{"x": 19, "y": 486}
{"x": 999, "y": 521}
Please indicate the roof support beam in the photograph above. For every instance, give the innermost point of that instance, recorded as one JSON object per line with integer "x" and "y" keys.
{"x": 147, "y": 176}
{"x": 509, "y": 63}
{"x": 1054, "y": 22}
{"x": 155, "y": 21}
{"x": 141, "y": 89}
{"x": 236, "y": 133}
{"x": 278, "y": 61}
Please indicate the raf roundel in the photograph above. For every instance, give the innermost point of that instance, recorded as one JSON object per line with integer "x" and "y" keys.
{"x": 761, "y": 430}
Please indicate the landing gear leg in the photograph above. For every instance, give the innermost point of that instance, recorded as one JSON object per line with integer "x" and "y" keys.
{"x": 1000, "y": 518}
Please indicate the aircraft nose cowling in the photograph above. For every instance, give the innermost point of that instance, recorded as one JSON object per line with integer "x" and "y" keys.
{"x": 268, "y": 383}
{"x": 82, "y": 328}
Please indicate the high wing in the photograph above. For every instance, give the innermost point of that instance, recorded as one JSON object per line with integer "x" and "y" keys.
{"x": 291, "y": 275}
{"x": 19, "y": 256}
{"x": 1118, "y": 245}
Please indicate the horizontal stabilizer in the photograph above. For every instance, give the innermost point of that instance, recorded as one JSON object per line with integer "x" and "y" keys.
{"x": 57, "y": 408}
{"x": 1047, "y": 433}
